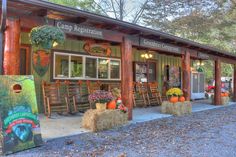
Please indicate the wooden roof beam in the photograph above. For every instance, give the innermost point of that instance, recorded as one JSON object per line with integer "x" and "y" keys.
{"x": 40, "y": 12}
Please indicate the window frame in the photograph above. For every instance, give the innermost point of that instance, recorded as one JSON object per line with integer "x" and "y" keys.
{"x": 84, "y": 67}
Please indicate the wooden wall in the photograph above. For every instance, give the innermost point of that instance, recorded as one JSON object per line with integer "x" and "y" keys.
{"x": 77, "y": 46}
{"x": 161, "y": 59}
{"x": 69, "y": 45}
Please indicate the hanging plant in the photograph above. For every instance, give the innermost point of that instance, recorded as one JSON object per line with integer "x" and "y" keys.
{"x": 46, "y": 36}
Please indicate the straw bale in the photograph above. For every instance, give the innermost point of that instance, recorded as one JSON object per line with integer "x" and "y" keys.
{"x": 103, "y": 120}
{"x": 225, "y": 100}
{"x": 178, "y": 108}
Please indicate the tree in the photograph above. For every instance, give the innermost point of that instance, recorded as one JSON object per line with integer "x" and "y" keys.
{"x": 127, "y": 10}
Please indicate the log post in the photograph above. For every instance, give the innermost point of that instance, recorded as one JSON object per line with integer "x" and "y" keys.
{"x": 234, "y": 84}
{"x": 127, "y": 75}
{"x": 217, "y": 94}
{"x": 186, "y": 69}
{"x": 11, "y": 60}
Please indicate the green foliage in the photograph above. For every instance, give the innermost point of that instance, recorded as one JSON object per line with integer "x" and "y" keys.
{"x": 44, "y": 36}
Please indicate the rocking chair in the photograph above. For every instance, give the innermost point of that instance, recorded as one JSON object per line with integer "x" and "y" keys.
{"x": 53, "y": 99}
{"x": 76, "y": 94}
{"x": 155, "y": 95}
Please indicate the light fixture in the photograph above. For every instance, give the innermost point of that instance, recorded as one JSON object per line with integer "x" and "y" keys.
{"x": 54, "y": 44}
{"x": 146, "y": 55}
{"x": 200, "y": 63}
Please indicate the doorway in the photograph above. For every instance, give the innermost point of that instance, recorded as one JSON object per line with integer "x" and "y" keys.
{"x": 25, "y": 60}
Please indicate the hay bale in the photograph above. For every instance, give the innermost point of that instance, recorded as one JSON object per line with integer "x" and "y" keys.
{"x": 178, "y": 108}
{"x": 102, "y": 120}
{"x": 225, "y": 100}
{"x": 164, "y": 106}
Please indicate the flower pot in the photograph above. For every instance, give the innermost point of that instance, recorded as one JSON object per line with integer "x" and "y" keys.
{"x": 101, "y": 106}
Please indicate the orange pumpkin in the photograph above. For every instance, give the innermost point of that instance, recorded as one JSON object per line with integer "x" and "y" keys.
{"x": 111, "y": 105}
{"x": 222, "y": 94}
{"x": 174, "y": 99}
{"x": 227, "y": 94}
{"x": 182, "y": 99}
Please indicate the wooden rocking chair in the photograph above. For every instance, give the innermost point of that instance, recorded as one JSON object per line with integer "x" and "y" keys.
{"x": 138, "y": 96}
{"x": 155, "y": 95}
{"x": 53, "y": 99}
{"x": 93, "y": 86}
{"x": 77, "y": 96}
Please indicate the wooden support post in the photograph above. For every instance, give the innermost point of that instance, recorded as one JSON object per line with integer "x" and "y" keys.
{"x": 217, "y": 94}
{"x": 11, "y": 61}
{"x": 234, "y": 84}
{"x": 186, "y": 69}
{"x": 127, "y": 75}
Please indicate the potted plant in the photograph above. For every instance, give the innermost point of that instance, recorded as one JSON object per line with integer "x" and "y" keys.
{"x": 101, "y": 98}
{"x": 46, "y": 36}
{"x": 173, "y": 94}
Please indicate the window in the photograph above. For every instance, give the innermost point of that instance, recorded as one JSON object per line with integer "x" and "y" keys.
{"x": 115, "y": 69}
{"x": 91, "y": 68}
{"x": 76, "y": 65}
{"x": 103, "y": 68}
{"x": 62, "y": 66}
{"x": 72, "y": 66}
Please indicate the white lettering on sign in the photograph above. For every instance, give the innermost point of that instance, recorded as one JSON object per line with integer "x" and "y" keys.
{"x": 155, "y": 44}
{"x": 79, "y": 29}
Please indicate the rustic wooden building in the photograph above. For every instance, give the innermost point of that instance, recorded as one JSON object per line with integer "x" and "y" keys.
{"x": 125, "y": 45}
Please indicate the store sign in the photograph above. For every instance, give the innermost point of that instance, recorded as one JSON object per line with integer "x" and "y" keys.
{"x": 203, "y": 55}
{"x": 159, "y": 45}
{"x": 96, "y": 49}
{"x": 19, "y": 122}
{"x": 81, "y": 30}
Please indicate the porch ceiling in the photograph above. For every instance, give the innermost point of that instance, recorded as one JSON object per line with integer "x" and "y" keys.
{"x": 58, "y": 12}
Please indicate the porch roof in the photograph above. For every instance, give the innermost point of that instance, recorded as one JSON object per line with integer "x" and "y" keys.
{"x": 44, "y": 8}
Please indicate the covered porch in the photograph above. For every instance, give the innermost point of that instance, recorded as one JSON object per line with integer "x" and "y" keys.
{"x": 71, "y": 124}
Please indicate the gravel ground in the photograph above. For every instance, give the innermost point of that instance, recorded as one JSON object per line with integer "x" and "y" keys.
{"x": 210, "y": 133}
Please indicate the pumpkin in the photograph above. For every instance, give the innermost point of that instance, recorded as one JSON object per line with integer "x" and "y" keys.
{"x": 174, "y": 99}
{"x": 182, "y": 99}
{"x": 222, "y": 94}
{"x": 111, "y": 105}
{"x": 227, "y": 94}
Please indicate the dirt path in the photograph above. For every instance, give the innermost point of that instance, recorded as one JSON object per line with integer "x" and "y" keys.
{"x": 202, "y": 134}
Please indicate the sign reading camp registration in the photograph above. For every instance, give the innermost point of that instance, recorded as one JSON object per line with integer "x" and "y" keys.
{"x": 81, "y": 30}
{"x": 158, "y": 45}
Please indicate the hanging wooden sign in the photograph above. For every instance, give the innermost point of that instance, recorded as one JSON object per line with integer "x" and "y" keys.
{"x": 159, "y": 45}
{"x": 19, "y": 122}
{"x": 81, "y": 30}
{"x": 96, "y": 49}
{"x": 41, "y": 62}
{"x": 203, "y": 55}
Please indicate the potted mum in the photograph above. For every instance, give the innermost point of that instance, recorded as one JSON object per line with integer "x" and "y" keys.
{"x": 173, "y": 94}
{"x": 46, "y": 36}
{"x": 101, "y": 98}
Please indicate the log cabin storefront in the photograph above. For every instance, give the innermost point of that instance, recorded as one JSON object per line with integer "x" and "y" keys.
{"x": 124, "y": 48}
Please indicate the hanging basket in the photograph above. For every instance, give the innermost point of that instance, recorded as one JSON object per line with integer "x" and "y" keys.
{"x": 46, "y": 36}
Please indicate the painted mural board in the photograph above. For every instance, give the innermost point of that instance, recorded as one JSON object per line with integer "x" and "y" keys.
{"x": 19, "y": 121}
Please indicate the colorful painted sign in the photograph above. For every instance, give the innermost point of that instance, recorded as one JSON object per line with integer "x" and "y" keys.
{"x": 97, "y": 49}
{"x": 19, "y": 120}
{"x": 41, "y": 62}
